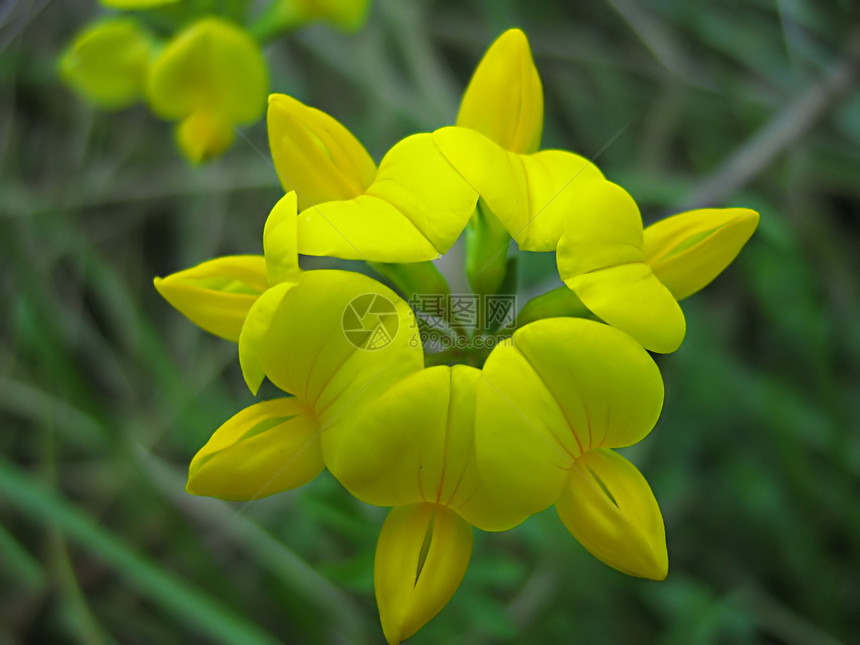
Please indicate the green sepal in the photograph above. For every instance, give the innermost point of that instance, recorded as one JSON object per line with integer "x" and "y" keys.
{"x": 561, "y": 302}
{"x": 487, "y": 244}
{"x": 508, "y": 287}
{"x": 413, "y": 278}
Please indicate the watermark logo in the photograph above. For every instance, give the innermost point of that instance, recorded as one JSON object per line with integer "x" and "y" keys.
{"x": 497, "y": 312}
{"x": 463, "y": 322}
{"x": 370, "y": 321}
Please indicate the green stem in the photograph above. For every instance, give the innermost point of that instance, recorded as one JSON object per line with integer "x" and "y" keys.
{"x": 277, "y": 19}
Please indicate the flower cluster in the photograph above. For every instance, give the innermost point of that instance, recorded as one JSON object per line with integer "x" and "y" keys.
{"x": 535, "y": 421}
{"x": 210, "y": 75}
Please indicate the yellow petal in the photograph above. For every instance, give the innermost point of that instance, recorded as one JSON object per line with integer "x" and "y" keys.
{"x": 522, "y": 191}
{"x": 213, "y": 65}
{"x": 314, "y": 154}
{"x": 632, "y": 299}
{"x": 560, "y": 387}
{"x": 340, "y": 339}
{"x": 414, "y": 210}
{"x": 415, "y": 443}
{"x": 254, "y": 330}
{"x": 600, "y": 258}
{"x": 266, "y": 448}
{"x": 204, "y": 135}
{"x": 687, "y": 251}
{"x": 608, "y": 506}
{"x": 217, "y": 294}
{"x": 504, "y": 99}
{"x": 279, "y": 241}
{"x": 108, "y": 61}
{"x": 421, "y": 557}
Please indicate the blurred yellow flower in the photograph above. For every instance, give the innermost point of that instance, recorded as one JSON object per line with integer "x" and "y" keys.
{"x": 212, "y": 76}
{"x": 108, "y": 62}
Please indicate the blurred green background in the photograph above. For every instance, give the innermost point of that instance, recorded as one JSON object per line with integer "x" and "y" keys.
{"x": 106, "y": 393}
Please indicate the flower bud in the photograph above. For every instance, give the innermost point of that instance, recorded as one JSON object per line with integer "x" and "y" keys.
{"x": 421, "y": 557}
{"x": 687, "y": 251}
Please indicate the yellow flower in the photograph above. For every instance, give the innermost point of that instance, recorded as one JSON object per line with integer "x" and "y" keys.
{"x": 551, "y": 405}
{"x": 413, "y": 449}
{"x": 449, "y": 448}
{"x": 107, "y": 63}
{"x": 494, "y": 147}
{"x": 411, "y": 208}
{"x": 278, "y": 444}
{"x": 212, "y": 76}
{"x": 293, "y": 332}
{"x": 602, "y": 257}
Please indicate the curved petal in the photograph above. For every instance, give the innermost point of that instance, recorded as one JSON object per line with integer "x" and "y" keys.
{"x": 632, "y": 299}
{"x": 280, "y": 245}
{"x": 687, "y": 251}
{"x": 606, "y": 232}
{"x": 254, "y": 331}
{"x": 560, "y": 387}
{"x": 600, "y": 258}
{"x": 340, "y": 339}
{"x": 204, "y": 135}
{"x": 504, "y": 99}
{"x": 217, "y": 294}
{"x": 108, "y": 61}
{"x": 421, "y": 557}
{"x": 609, "y": 508}
{"x": 314, "y": 154}
{"x": 414, "y": 210}
{"x": 522, "y": 191}
{"x": 555, "y": 180}
{"x": 266, "y": 448}
{"x": 416, "y": 443}
{"x": 212, "y": 65}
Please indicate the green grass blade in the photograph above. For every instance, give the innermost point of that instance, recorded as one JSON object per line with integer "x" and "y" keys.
{"x": 207, "y": 615}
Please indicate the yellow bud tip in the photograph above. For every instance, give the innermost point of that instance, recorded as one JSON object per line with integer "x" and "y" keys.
{"x": 204, "y": 135}
{"x": 504, "y": 99}
{"x": 421, "y": 557}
